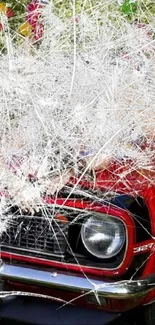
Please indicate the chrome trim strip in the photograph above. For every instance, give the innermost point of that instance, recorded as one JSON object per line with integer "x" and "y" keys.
{"x": 11, "y": 294}
{"x": 79, "y": 284}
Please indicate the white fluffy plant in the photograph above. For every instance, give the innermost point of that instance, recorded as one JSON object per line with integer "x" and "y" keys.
{"x": 89, "y": 86}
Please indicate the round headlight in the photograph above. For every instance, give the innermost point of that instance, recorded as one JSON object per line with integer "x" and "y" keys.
{"x": 103, "y": 236}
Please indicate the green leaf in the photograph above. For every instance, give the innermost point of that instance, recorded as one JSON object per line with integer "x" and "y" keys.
{"x": 129, "y": 7}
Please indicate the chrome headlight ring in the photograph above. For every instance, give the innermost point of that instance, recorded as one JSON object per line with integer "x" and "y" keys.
{"x": 103, "y": 236}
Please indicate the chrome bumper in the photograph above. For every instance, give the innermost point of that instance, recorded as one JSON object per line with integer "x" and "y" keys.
{"x": 79, "y": 284}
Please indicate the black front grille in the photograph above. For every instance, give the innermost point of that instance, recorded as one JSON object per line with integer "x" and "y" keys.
{"x": 36, "y": 235}
{"x": 46, "y": 236}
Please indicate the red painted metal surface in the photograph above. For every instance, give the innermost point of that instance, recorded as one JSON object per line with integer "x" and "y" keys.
{"x": 119, "y": 177}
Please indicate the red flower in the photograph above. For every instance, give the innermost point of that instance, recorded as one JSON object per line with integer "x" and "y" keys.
{"x": 38, "y": 31}
{"x": 33, "y": 12}
{"x": 9, "y": 13}
{"x": 33, "y": 16}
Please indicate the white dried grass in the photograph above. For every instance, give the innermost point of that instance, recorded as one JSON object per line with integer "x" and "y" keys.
{"x": 88, "y": 86}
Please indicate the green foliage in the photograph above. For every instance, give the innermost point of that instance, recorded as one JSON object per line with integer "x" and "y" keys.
{"x": 138, "y": 10}
{"x": 129, "y": 7}
{"x": 19, "y": 9}
{"x": 64, "y": 9}
{"x": 145, "y": 11}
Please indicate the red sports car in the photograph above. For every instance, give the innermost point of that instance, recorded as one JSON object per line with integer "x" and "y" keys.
{"x": 91, "y": 247}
